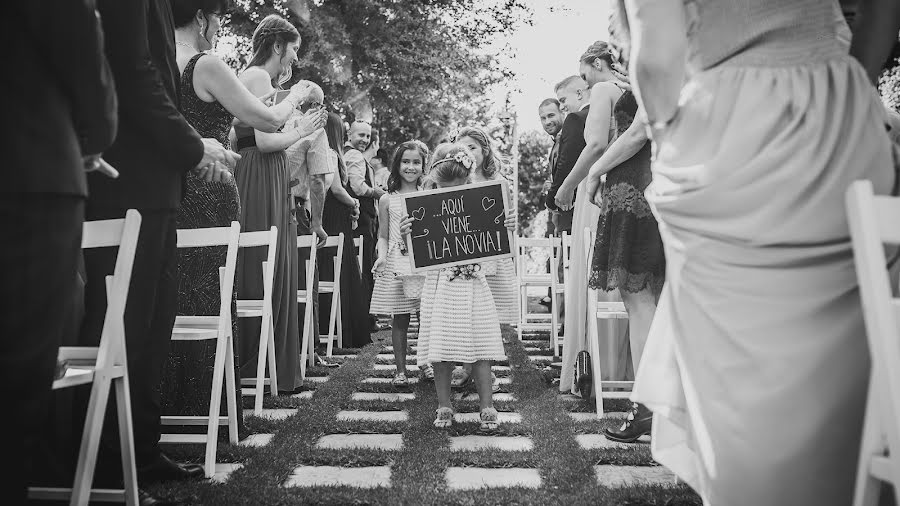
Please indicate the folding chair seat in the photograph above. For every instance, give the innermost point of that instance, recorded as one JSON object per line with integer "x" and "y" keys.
{"x": 304, "y": 296}
{"x": 333, "y": 286}
{"x": 602, "y": 310}
{"x": 261, "y": 308}
{"x": 104, "y": 367}
{"x": 873, "y": 223}
{"x": 217, "y": 327}
{"x": 545, "y": 279}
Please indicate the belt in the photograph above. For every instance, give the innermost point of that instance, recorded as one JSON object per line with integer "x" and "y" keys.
{"x": 246, "y": 142}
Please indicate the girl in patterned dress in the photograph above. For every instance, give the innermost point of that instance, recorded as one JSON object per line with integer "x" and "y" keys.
{"x": 393, "y": 259}
{"x": 464, "y": 326}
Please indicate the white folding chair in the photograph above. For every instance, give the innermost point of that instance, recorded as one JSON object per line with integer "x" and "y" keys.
{"x": 218, "y": 327}
{"x": 559, "y": 289}
{"x": 546, "y": 280}
{"x": 261, "y": 308}
{"x": 358, "y": 244}
{"x": 104, "y": 367}
{"x": 334, "y": 288}
{"x": 601, "y": 310}
{"x": 873, "y": 223}
{"x": 305, "y": 297}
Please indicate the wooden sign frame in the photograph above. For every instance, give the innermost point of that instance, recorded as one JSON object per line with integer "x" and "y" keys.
{"x": 504, "y": 191}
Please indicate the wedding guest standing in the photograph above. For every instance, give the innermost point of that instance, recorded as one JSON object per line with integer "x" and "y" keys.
{"x": 263, "y": 181}
{"x": 340, "y": 213}
{"x": 154, "y": 148}
{"x": 362, "y": 182}
{"x": 211, "y": 97}
{"x": 756, "y": 367}
{"x": 55, "y": 140}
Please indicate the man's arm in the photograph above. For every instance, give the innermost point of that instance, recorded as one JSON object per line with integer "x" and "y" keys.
{"x": 87, "y": 79}
{"x": 144, "y": 103}
{"x": 571, "y": 143}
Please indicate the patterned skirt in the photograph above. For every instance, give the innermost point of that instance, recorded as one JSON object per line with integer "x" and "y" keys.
{"x": 388, "y": 297}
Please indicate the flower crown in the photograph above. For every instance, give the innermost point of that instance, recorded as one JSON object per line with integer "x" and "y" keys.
{"x": 453, "y": 134}
{"x": 460, "y": 157}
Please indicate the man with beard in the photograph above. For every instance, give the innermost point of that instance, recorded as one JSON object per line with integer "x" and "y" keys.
{"x": 552, "y": 120}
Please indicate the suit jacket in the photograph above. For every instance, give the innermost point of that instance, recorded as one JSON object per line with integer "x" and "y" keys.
{"x": 367, "y": 205}
{"x": 58, "y": 98}
{"x": 155, "y": 145}
{"x": 571, "y": 144}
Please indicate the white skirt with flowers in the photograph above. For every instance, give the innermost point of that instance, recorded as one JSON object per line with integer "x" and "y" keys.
{"x": 459, "y": 320}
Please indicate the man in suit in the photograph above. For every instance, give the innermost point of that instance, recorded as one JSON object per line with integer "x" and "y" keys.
{"x": 574, "y": 99}
{"x": 154, "y": 149}
{"x": 62, "y": 112}
{"x": 551, "y": 120}
{"x": 362, "y": 182}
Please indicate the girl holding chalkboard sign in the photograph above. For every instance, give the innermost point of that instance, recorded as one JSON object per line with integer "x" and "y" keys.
{"x": 388, "y": 296}
{"x": 459, "y": 320}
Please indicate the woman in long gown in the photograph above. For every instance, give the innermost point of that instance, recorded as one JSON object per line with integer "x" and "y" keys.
{"x": 756, "y": 367}
{"x": 340, "y": 211}
{"x": 263, "y": 179}
{"x": 596, "y": 67}
{"x": 210, "y": 98}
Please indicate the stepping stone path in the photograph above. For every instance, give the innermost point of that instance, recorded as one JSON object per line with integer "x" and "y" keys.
{"x": 392, "y": 411}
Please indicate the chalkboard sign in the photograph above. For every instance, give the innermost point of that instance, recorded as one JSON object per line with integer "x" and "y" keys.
{"x": 458, "y": 225}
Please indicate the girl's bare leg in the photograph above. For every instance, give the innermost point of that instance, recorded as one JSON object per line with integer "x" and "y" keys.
{"x": 482, "y": 371}
{"x": 399, "y": 330}
{"x": 442, "y": 372}
{"x": 641, "y": 307}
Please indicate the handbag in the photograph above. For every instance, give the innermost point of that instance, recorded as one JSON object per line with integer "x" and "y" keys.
{"x": 584, "y": 383}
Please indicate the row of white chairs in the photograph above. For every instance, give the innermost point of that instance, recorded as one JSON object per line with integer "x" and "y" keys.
{"x": 105, "y": 366}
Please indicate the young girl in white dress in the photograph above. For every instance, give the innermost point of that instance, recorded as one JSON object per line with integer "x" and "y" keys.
{"x": 388, "y": 296}
{"x": 464, "y": 325}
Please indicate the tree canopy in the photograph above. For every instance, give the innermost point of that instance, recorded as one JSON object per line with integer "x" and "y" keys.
{"x": 414, "y": 67}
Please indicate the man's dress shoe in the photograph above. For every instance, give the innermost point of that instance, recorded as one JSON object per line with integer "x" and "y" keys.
{"x": 164, "y": 469}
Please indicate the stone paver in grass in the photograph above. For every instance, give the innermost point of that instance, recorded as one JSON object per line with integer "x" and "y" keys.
{"x": 540, "y": 358}
{"x": 273, "y": 414}
{"x": 383, "y": 396}
{"x": 591, "y": 416}
{"x": 623, "y": 476}
{"x": 303, "y": 395}
{"x": 369, "y": 441}
{"x": 392, "y": 367}
{"x": 389, "y": 351}
{"x": 502, "y": 417}
{"x": 220, "y": 475}
{"x": 330, "y": 476}
{"x": 505, "y": 443}
{"x": 595, "y": 441}
{"x": 372, "y": 416}
{"x": 388, "y": 381}
{"x": 473, "y": 396}
{"x": 472, "y": 478}
{"x": 256, "y": 440}
{"x": 317, "y": 379}
{"x": 499, "y": 368}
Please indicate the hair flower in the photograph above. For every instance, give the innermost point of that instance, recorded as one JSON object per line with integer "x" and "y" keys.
{"x": 464, "y": 159}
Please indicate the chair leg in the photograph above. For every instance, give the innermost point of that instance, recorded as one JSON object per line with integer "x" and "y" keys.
{"x": 90, "y": 440}
{"x": 126, "y": 440}
{"x": 261, "y": 355}
{"x": 332, "y": 317}
{"x": 273, "y": 367}
{"x": 868, "y": 488}
{"x": 231, "y": 392}
{"x": 304, "y": 342}
{"x": 340, "y": 325}
{"x": 310, "y": 338}
{"x": 594, "y": 350}
{"x": 215, "y": 403}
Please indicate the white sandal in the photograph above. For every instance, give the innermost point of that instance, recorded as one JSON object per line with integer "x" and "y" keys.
{"x": 400, "y": 380}
{"x": 489, "y": 419}
{"x": 444, "y": 418}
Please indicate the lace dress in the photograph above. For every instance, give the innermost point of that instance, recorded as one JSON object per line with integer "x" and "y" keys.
{"x": 388, "y": 296}
{"x": 628, "y": 252}
{"x": 187, "y": 379}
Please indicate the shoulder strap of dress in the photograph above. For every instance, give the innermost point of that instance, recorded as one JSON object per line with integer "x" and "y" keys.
{"x": 187, "y": 77}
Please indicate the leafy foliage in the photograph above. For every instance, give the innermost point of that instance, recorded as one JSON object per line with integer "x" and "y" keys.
{"x": 415, "y": 67}
{"x": 534, "y": 170}
{"x": 889, "y": 85}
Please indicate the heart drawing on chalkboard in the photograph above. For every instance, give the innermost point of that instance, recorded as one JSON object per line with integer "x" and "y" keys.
{"x": 418, "y": 214}
{"x": 487, "y": 203}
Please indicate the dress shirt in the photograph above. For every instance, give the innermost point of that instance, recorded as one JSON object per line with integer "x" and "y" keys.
{"x": 358, "y": 171}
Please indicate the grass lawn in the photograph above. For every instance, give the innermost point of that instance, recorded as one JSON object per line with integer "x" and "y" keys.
{"x": 418, "y": 468}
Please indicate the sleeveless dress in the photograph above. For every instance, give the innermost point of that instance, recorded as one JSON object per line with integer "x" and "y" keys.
{"x": 756, "y": 366}
{"x": 459, "y": 319}
{"x": 388, "y": 296}
{"x": 354, "y": 312}
{"x": 628, "y": 252}
{"x": 187, "y": 377}
{"x": 612, "y": 335}
{"x": 264, "y": 182}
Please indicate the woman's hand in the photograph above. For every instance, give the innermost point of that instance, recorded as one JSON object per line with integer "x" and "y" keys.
{"x": 406, "y": 225}
{"x": 592, "y": 189}
{"x": 378, "y": 266}
{"x": 512, "y": 217}
{"x": 564, "y": 197}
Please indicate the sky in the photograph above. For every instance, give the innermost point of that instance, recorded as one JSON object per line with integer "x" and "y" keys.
{"x": 548, "y": 51}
